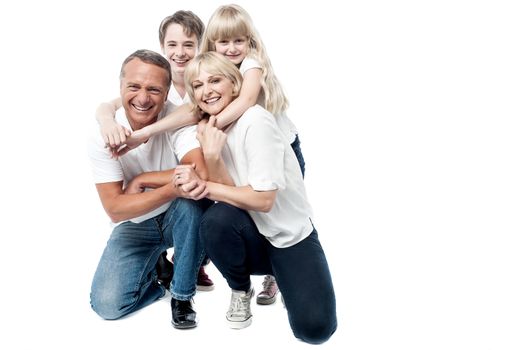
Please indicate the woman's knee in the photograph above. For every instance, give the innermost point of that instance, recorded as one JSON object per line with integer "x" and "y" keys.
{"x": 217, "y": 220}
{"x": 314, "y": 330}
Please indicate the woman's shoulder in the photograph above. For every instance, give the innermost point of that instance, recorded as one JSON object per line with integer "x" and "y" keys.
{"x": 256, "y": 115}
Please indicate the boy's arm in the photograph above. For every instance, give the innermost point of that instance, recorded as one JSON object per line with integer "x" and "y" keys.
{"x": 113, "y": 134}
{"x": 248, "y": 97}
{"x": 183, "y": 115}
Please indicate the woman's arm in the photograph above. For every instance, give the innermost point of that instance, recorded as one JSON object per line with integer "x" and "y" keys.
{"x": 212, "y": 141}
{"x": 242, "y": 197}
{"x": 248, "y": 97}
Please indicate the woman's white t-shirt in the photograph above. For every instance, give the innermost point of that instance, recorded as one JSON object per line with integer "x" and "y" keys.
{"x": 257, "y": 154}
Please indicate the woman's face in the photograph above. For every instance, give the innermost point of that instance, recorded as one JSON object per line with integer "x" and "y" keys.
{"x": 213, "y": 92}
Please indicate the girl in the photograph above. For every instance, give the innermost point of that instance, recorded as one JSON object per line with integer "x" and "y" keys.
{"x": 260, "y": 223}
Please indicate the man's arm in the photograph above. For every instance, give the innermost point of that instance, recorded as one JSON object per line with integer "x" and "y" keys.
{"x": 120, "y": 206}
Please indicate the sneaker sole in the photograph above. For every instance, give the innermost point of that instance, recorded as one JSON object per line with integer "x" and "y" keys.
{"x": 184, "y": 325}
{"x": 205, "y": 288}
{"x": 266, "y": 301}
{"x": 239, "y": 324}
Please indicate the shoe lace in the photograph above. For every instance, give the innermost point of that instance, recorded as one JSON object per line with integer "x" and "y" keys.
{"x": 239, "y": 303}
{"x": 268, "y": 285}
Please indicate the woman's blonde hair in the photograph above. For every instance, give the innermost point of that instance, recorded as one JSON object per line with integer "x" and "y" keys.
{"x": 231, "y": 21}
{"x": 215, "y": 64}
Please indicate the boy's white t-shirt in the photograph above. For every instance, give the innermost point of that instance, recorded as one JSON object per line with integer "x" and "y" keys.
{"x": 161, "y": 152}
{"x": 284, "y": 123}
{"x": 175, "y": 98}
{"x": 257, "y": 154}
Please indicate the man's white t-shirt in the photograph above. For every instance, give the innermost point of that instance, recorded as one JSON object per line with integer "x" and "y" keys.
{"x": 161, "y": 152}
{"x": 284, "y": 123}
{"x": 257, "y": 154}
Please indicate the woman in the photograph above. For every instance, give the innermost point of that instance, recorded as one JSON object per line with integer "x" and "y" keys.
{"x": 260, "y": 223}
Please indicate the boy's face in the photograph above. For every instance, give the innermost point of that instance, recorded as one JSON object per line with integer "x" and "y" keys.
{"x": 178, "y": 48}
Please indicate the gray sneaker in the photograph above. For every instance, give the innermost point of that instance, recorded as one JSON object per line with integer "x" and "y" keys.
{"x": 238, "y": 315}
{"x": 270, "y": 290}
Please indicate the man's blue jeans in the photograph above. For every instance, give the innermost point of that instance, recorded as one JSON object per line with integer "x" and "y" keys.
{"x": 126, "y": 278}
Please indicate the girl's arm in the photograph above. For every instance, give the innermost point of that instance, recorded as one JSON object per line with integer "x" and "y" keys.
{"x": 113, "y": 134}
{"x": 248, "y": 97}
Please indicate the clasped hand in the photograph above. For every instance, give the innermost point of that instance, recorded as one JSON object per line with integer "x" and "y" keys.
{"x": 190, "y": 185}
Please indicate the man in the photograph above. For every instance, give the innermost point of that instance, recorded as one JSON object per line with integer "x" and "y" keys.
{"x": 179, "y": 37}
{"x": 148, "y": 213}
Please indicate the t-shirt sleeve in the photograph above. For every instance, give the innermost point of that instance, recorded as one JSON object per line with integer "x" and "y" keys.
{"x": 105, "y": 169}
{"x": 265, "y": 152}
{"x": 184, "y": 140}
{"x": 249, "y": 63}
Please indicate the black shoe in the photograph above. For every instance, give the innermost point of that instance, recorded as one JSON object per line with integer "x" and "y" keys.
{"x": 165, "y": 270}
{"x": 183, "y": 316}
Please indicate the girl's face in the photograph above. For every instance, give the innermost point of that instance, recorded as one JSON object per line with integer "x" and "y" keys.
{"x": 235, "y": 49}
{"x": 179, "y": 48}
{"x": 213, "y": 92}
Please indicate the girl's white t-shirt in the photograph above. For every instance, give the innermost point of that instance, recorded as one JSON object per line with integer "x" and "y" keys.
{"x": 284, "y": 123}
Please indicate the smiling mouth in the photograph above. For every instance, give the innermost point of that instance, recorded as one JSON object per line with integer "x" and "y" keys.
{"x": 212, "y": 100}
{"x": 180, "y": 61}
{"x": 141, "y": 108}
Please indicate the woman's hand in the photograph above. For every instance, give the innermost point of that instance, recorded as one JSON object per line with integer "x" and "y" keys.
{"x": 189, "y": 183}
{"x": 211, "y": 138}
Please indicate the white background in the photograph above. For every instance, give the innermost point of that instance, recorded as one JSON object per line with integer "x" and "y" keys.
{"x": 412, "y": 121}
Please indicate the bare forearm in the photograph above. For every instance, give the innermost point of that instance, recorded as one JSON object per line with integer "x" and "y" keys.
{"x": 127, "y": 206}
{"x": 217, "y": 171}
{"x": 242, "y": 197}
{"x": 154, "y": 179}
{"x": 106, "y": 111}
{"x": 235, "y": 110}
{"x": 182, "y": 116}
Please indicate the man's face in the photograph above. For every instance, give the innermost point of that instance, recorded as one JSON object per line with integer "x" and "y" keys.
{"x": 178, "y": 48}
{"x": 143, "y": 92}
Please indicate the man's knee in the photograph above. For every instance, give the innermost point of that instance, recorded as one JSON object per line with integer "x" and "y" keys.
{"x": 106, "y": 306}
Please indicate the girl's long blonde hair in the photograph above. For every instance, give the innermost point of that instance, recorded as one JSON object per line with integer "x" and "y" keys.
{"x": 231, "y": 21}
